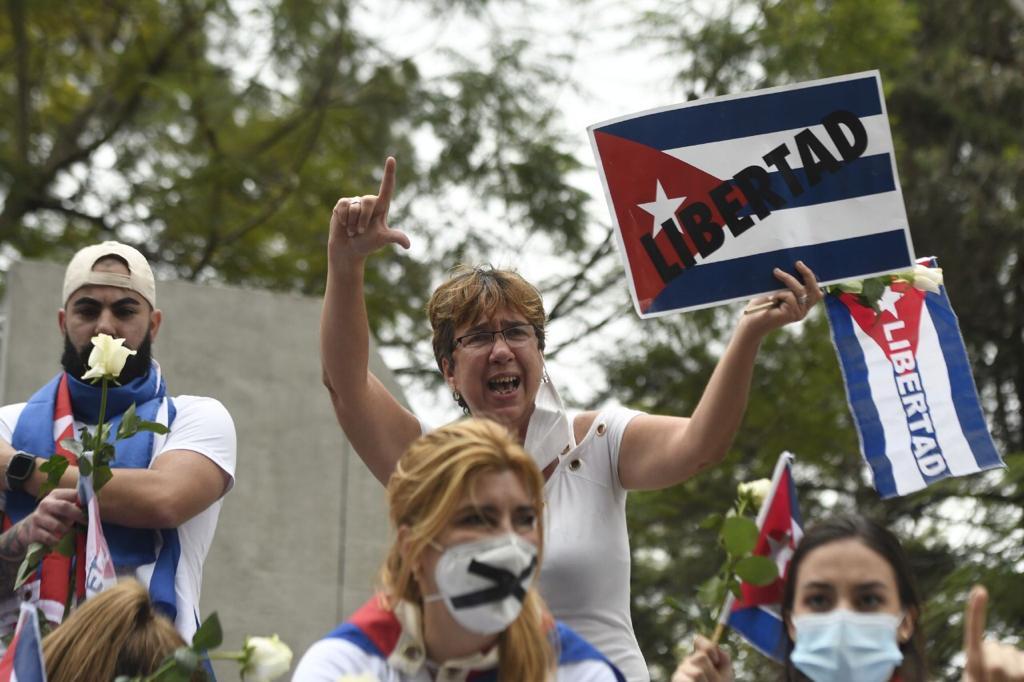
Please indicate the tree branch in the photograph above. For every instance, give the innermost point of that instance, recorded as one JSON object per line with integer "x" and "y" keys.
{"x": 16, "y": 12}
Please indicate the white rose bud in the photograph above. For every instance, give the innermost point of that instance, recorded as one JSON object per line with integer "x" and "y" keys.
{"x": 267, "y": 659}
{"x": 756, "y": 491}
{"x": 927, "y": 279}
{"x": 107, "y": 357}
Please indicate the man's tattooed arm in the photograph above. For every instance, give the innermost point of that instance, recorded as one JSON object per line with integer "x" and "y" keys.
{"x": 13, "y": 546}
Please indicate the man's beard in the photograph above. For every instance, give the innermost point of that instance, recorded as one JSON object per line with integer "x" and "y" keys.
{"x": 76, "y": 361}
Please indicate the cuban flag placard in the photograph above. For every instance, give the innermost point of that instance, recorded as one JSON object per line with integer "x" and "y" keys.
{"x": 23, "y": 660}
{"x": 756, "y": 616}
{"x": 910, "y": 388}
{"x": 709, "y": 196}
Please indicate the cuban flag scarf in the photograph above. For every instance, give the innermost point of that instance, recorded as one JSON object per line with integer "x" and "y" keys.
{"x": 48, "y": 418}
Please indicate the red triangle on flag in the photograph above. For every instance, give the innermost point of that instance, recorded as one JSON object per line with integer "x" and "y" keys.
{"x": 632, "y": 172}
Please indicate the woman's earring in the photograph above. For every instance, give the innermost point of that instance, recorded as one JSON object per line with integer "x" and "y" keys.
{"x": 456, "y": 396}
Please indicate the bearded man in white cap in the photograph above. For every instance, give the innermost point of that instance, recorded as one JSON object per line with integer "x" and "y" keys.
{"x": 160, "y": 508}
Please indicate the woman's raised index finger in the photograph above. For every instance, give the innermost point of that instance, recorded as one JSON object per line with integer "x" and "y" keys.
{"x": 387, "y": 185}
{"x": 974, "y": 628}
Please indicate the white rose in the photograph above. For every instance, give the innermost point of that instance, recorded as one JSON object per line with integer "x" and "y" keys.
{"x": 107, "y": 357}
{"x": 755, "y": 490}
{"x": 267, "y": 658}
{"x": 927, "y": 279}
{"x": 361, "y": 677}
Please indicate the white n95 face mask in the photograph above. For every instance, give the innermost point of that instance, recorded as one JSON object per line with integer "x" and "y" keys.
{"x": 549, "y": 433}
{"x": 483, "y": 583}
{"x": 845, "y": 646}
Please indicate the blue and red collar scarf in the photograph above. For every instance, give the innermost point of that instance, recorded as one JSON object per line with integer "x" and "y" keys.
{"x": 35, "y": 433}
{"x": 377, "y": 630}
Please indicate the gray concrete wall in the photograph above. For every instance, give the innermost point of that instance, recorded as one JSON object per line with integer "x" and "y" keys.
{"x": 304, "y": 530}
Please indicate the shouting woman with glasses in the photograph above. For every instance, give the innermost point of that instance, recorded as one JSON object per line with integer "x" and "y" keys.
{"x": 488, "y": 337}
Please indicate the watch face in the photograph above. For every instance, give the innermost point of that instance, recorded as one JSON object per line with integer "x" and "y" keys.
{"x": 20, "y": 466}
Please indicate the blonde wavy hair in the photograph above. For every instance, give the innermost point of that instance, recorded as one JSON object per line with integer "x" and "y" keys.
{"x": 432, "y": 478}
{"x": 117, "y": 632}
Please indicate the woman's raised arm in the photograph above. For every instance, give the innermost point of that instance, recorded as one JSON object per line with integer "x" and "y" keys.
{"x": 376, "y": 424}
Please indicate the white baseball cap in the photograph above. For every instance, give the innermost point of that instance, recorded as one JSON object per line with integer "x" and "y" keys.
{"x": 80, "y": 272}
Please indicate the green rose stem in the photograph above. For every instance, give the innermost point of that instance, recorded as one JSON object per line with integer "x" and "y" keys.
{"x": 730, "y": 570}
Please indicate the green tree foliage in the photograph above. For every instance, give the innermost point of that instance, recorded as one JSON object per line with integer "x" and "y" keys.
{"x": 954, "y": 80}
{"x": 216, "y": 135}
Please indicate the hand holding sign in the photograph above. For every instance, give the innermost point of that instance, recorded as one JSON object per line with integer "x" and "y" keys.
{"x": 789, "y": 306}
{"x": 987, "y": 661}
{"x": 359, "y": 225}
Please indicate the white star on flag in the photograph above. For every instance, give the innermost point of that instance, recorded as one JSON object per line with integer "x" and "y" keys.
{"x": 781, "y": 551}
{"x": 888, "y": 301}
{"x": 662, "y": 208}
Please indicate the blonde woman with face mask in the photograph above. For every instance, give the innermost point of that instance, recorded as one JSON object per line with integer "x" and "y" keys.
{"x": 457, "y": 598}
{"x": 852, "y": 612}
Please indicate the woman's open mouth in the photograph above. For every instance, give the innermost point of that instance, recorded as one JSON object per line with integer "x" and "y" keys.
{"x": 503, "y": 385}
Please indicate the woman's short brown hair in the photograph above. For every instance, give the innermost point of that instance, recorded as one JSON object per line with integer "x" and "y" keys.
{"x": 473, "y": 293}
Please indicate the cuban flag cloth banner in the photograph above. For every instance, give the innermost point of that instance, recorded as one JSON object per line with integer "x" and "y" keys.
{"x": 910, "y": 388}
{"x": 23, "y": 660}
{"x": 709, "y": 196}
{"x": 756, "y": 616}
{"x": 99, "y": 565}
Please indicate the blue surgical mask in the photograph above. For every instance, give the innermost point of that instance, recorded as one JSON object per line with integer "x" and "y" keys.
{"x": 845, "y": 646}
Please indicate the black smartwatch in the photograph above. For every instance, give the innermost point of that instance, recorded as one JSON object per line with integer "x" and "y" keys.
{"x": 19, "y": 470}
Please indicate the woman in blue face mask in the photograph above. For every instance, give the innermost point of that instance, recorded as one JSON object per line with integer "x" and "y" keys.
{"x": 850, "y": 606}
{"x": 458, "y": 598}
{"x": 851, "y": 611}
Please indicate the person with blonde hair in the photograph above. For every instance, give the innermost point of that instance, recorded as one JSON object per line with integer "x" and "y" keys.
{"x": 489, "y": 337}
{"x": 117, "y": 632}
{"x": 457, "y": 598}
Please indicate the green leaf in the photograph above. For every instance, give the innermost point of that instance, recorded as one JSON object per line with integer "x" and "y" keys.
{"x": 711, "y": 521}
{"x": 73, "y": 446}
{"x": 66, "y": 545}
{"x": 129, "y": 423}
{"x": 757, "y": 570}
{"x": 100, "y": 475}
{"x": 104, "y": 455}
{"x": 711, "y": 591}
{"x": 209, "y": 635}
{"x": 675, "y": 604}
{"x": 154, "y": 427}
{"x": 34, "y": 555}
{"x": 84, "y": 466}
{"x": 734, "y": 587}
{"x": 739, "y": 535}
{"x": 102, "y": 435}
{"x": 54, "y": 468}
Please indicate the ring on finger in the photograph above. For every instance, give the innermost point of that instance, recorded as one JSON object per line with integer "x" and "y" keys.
{"x": 802, "y": 299}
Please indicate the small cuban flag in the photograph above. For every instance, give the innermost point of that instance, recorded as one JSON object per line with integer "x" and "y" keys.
{"x": 99, "y": 565}
{"x": 708, "y": 196}
{"x": 910, "y": 388}
{"x": 756, "y": 616}
{"x": 23, "y": 660}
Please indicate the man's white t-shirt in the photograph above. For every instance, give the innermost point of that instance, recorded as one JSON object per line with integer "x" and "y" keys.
{"x": 201, "y": 425}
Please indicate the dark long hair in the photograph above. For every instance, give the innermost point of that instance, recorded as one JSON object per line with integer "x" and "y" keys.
{"x": 879, "y": 539}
